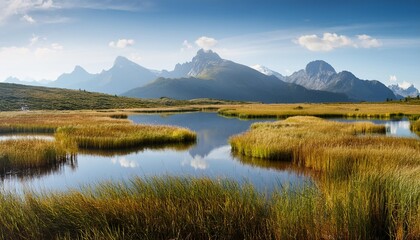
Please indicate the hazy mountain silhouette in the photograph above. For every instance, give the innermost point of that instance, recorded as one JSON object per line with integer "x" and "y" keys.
{"x": 123, "y": 76}
{"x": 319, "y": 75}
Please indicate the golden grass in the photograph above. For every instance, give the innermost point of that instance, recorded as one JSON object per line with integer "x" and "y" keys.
{"x": 48, "y": 122}
{"x": 346, "y": 110}
{"x": 25, "y": 154}
{"x": 156, "y": 208}
{"x": 115, "y": 136}
{"x": 368, "y": 187}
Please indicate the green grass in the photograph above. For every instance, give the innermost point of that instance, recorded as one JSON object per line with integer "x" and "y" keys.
{"x": 15, "y": 96}
{"x": 28, "y": 154}
{"x": 118, "y": 136}
{"x": 367, "y": 185}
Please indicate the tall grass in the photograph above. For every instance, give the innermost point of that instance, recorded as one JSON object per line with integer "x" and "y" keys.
{"x": 156, "y": 208}
{"x": 368, "y": 187}
{"x": 25, "y": 154}
{"x": 345, "y": 110}
{"x": 114, "y": 136}
{"x": 415, "y": 126}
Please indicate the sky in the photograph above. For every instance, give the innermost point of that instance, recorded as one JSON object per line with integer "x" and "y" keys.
{"x": 376, "y": 40}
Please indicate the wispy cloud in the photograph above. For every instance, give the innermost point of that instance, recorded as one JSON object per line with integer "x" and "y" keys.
{"x": 122, "y": 43}
{"x": 127, "y": 5}
{"x": 331, "y": 41}
{"x": 28, "y": 19}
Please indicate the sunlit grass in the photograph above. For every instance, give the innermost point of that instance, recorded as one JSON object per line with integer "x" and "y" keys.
{"x": 114, "y": 136}
{"x": 345, "y": 110}
{"x": 368, "y": 185}
{"x": 156, "y": 208}
{"x": 24, "y": 154}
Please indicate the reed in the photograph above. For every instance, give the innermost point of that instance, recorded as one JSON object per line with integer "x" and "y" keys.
{"x": 114, "y": 136}
{"x": 343, "y": 110}
{"x": 25, "y": 154}
{"x": 155, "y": 208}
{"x": 368, "y": 186}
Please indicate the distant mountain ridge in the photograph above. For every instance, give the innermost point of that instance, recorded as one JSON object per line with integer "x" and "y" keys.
{"x": 209, "y": 76}
{"x": 410, "y": 91}
{"x": 319, "y": 75}
{"x": 121, "y": 77}
{"x": 266, "y": 71}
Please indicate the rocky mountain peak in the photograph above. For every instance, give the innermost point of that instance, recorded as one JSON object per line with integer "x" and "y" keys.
{"x": 319, "y": 67}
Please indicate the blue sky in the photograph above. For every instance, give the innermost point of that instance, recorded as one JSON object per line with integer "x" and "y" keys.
{"x": 40, "y": 39}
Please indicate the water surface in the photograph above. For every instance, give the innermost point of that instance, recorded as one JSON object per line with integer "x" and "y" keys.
{"x": 210, "y": 157}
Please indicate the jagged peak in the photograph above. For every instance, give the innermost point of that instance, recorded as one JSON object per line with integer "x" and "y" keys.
{"x": 122, "y": 61}
{"x": 78, "y": 68}
{"x": 206, "y": 55}
{"x": 319, "y": 66}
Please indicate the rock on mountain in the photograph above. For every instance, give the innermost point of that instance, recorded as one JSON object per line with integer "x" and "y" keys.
{"x": 209, "y": 76}
{"x": 319, "y": 75}
{"x": 266, "y": 71}
{"x": 123, "y": 76}
{"x": 404, "y": 91}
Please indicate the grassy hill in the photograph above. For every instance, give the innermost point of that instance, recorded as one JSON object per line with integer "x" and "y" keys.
{"x": 15, "y": 96}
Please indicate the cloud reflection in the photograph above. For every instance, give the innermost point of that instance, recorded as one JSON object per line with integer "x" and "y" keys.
{"x": 125, "y": 163}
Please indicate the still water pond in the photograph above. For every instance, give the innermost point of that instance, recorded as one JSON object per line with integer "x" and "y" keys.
{"x": 210, "y": 156}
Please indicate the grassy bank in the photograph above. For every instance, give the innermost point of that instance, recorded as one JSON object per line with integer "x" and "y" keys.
{"x": 185, "y": 208}
{"x": 158, "y": 208}
{"x": 368, "y": 185}
{"x": 26, "y": 154}
{"x": 117, "y": 136}
{"x": 345, "y": 110}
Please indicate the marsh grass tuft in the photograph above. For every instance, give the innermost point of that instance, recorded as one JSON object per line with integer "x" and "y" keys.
{"x": 155, "y": 208}
{"x": 114, "y": 136}
{"x": 26, "y": 154}
{"x": 368, "y": 186}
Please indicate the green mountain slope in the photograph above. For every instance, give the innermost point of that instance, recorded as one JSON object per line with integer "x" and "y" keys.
{"x": 15, "y": 96}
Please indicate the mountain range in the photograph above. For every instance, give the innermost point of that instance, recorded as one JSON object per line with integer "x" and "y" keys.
{"x": 207, "y": 75}
{"x": 403, "y": 91}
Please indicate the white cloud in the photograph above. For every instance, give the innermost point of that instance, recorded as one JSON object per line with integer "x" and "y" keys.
{"x": 28, "y": 19}
{"x": 366, "y": 41}
{"x": 393, "y": 78}
{"x": 404, "y": 85}
{"x": 328, "y": 42}
{"x": 56, "y": 46}
{"x": 206, "y": 42}
{"x": 331, "y": 41}
{"x": 186, "y": 46}
{"x": 122, "y": 43}
{"x": 9, "y": 8}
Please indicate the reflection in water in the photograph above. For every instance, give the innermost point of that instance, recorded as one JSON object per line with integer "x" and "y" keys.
{"x": 123, "y": 162}
{"x": 394, "y": 128}
{"x": 210, "y": 157}
{"x": 137, "y": 150}
{"x": 6, "y": 137}
{"x": 40, "y": 172}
